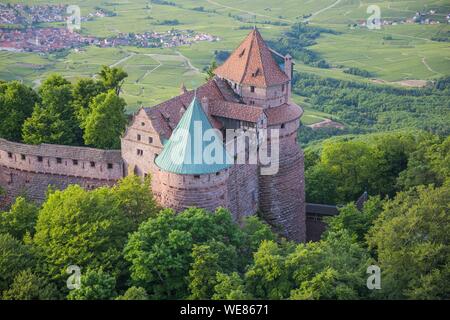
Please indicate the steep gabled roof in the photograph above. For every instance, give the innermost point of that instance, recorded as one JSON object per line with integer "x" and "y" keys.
{"x": 184, "y": 153}
{"x": 252, "y": 63}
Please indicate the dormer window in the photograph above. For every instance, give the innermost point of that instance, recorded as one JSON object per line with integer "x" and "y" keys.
{"x": 252, "y": 88}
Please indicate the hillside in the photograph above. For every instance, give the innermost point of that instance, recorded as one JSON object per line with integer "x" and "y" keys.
{"x": 155, "y": 74}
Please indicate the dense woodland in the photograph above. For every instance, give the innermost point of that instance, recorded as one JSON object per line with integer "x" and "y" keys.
{"x": 88, "y": 112}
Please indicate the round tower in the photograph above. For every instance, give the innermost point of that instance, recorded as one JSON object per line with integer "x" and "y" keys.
{"x": 194, "y": 164}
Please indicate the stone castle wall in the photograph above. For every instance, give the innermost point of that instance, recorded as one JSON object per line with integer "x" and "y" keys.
{"x": 179, "y": 192}
{"x": 243, "y": 199}
{"x": 28, "y": 169}
{"x": 282, "y": 196}
{"x": 34, "y": 185}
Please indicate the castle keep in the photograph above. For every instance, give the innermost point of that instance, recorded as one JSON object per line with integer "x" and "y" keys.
{"x": 250, "y": 91}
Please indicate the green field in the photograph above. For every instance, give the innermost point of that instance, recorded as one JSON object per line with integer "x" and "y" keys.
{"x": 156, "y": 74}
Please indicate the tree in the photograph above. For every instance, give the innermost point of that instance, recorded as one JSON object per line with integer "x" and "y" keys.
{"x": 134, "y": 293}
{"x": 46, "y": 127}
{"x": 84, "y": 91}
{"x": 355, "y": 221}
{"x": 135, "y": 199}
{"x": 106, "y": 121}
{"x": 208, "y": 260}
{"x": 230, "y": 287}
{"x": 29, "y": 286}
{"x": 14, "y": 257}
{"x": 160, "y": 252}
{"x": 95, "y": 285}
{"x": 429, "y": 164}
{"x": 210, "y": 71}
{"x": 20, "y": 219}
{"x": 411, "y": 241}
{"x": 321, "y": 286}
{"x": 16, "y": 105}
{"x": 84, "y": 228}
{"x": 53, "y": 120}
{"x": 112, "y": 78}
{"x": 268, "y": 277}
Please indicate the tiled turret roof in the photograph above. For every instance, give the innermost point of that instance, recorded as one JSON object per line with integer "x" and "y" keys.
{"x": 184, "y": 153}
{"x": 252, "y": 63}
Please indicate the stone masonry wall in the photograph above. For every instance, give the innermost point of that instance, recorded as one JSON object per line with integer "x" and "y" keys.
{"x": 182, "y": 191}
{"x": 282, "y": 195}
{"x": 243, "y": 190}
{"x": 34, "y": 185}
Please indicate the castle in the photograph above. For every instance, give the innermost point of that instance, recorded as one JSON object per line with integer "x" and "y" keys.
{"x": 250, "y": 91}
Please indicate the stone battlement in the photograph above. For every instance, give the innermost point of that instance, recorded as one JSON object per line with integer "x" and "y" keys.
{"x": 61, "y": 160}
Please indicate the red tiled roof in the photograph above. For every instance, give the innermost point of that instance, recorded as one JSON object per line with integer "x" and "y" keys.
{"x": 282, "y": 114}
{"x": 165, "y": 116}
{"x": 238, "y": 111}
{"x": 252, "y": 63}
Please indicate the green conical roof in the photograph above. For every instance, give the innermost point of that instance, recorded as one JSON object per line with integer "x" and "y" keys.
{"x": 194, "y": 147}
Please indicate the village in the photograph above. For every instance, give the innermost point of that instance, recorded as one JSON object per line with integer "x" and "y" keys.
{"x": 20, "y": 31}
{"x": 430, "y": 17}
{"x": 46, "y": 40}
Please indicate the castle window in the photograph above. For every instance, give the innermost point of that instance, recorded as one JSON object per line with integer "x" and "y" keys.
{"x": 142, "y": 123}
{"x": 58, "y": 160}
{"x": 252, "y": 89}
{"x": 9, "y": 154}
{"x": 196, "y": 176}
{"x": 140, "y": 152}
{"x": 235, "y": 86}
{"x": 217, "y": 173}
{"x": 110, "y": 165}
{"x": 75, "y": 162}
{"x": 92, "y": 164}
{"x": 282, "y": 88}
{"x": 282, "y": 126}
{"x": 39, "y": 159}
{"x": 22, "y": 156}
{"x": 139, "y": 137}
{"x": 150, "y": 140}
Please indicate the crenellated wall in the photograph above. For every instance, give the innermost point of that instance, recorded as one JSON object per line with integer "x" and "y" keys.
{"x": 30, "y": 169}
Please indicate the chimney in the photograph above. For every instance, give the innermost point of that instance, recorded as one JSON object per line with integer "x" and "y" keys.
{"x": 205, "y": 105}
{"x": 183, "y": 88}
{"x": 288, "y": 69}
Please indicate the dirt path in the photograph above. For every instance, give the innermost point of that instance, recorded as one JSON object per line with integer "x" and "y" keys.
{"x": 132, "y": 54}
{"x": 428, "y": 67}
{"x": 248, "y": 12}
{"x": 323, "y": 10}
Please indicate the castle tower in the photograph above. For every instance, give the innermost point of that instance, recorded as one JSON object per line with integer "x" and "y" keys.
{"x": 253, "y": 74}
{"x": 194, "y": 165}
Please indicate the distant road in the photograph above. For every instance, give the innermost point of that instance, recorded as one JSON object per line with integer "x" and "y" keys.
{"x": 322, "y": 10}
{"x": 248, "y": 12}
{"x": 266, "y": 16}
{"x": 122, "y": 60}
